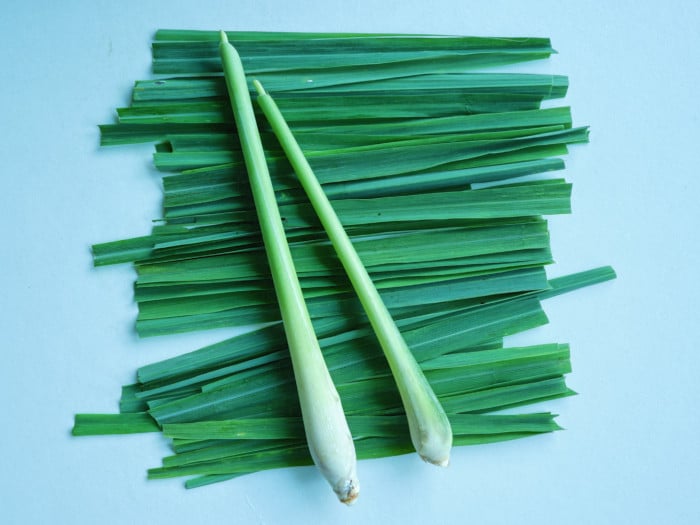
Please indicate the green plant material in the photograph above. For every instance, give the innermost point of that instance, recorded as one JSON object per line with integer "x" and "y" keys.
{"x": 123, "y": 423}
{"x": 192, "y": 103}
{"x": 379, "y": 436}
{"x": 362, "y": 427}
{"x": 327, "y": 433}
{"x": 532, "y": 198}
{"x": 428, "y": 424}
{"x": 210, "y": 184}
{"x": 473, "y": 327}
{"x": 407, "y": 161}
{"x": 195, "y": 52}
{"x": 325, "y": 300}
{"x": 447, "y": 244}
{"x": 532, "y": 375}
{"x": 455, "y": 331}
{"x": 339, "y": 81}
{"x": 455, "y": 253}
{"x": 570, "y": 283}
{"x": 389, "y": 159}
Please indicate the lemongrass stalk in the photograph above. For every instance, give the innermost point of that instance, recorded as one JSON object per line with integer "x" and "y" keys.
{"x": 429, "y": 427}
{"x": 327, "y": 433}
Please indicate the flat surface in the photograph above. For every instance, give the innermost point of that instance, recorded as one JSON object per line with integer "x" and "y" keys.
{"x": 630, "y": 451}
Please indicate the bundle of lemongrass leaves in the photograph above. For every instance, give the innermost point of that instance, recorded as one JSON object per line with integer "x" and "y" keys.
{"x": 430, "y": 178}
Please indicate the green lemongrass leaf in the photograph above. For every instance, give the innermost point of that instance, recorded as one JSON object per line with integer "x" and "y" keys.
{"x": 203, "y": 481}
{"x": 212, "y": 118}
{"x": 248, "y": 41}
{"x": 297, "y": 72}
{"x": 362, "y": 427}
{"x": 467, "y": 426}
{"x": 393, "y": 158}
{"x": 497, "y": 367}
{"x": 129, "y": 403}
{"x": 282, "y": 457}
{"x": 540, "y": 86}
{"x": 293, "y": 210}
{"x": 320, "y": 141}
{"x": 332, "y": 302}
{"x": 253, "y": 462}
{"x": 509, "y": 396}
{"x": 575, "y": 281}
{"x": 448, "y": 243}
{"x": 189, "y": 451}
{"x": 250, "y": 315}
{"x": 401, "y": 272}
{"x": 127, "y": 250}
{"x": 457, "y": 124}
{"x": 121, "y": 134}
{"x": 214, "y": 204}
{"x": 189, "y": 58}
{"x": 257, "y": 314}
{"x": 313, "y": 52}
{"x": 397, "y": 292}
{"x": 215, "y": 183}
{"x": 217, "y": 179}
{"x": 177, "y": 90}
{"x": 371, "y": 447}
{"x": 176, "y": 113}
{"x": 476, "y": 388}
{"x": 453, "y": 333}
{"x": 412, "y": 156}
{"x": 367, "y": 449}
{"x": 101, "y": 424}
{"x": 346, "y": 363}
{"x": 534, "y": 198}
{"x": 313, "y": 109}
{"x": 176, "y": 388}
{"x": 267, "y": 428}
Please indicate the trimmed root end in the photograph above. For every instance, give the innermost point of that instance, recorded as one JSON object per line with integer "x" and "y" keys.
{"x": 440, "y": 463}
{"x": 349, "y": 492}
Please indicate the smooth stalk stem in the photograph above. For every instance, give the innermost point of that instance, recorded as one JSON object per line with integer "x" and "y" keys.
{"x": 429, "y": 427}
{"x": 327, "y": 432}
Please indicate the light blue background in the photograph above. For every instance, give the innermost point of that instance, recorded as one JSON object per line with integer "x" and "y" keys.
{"x": 630, "y": 451}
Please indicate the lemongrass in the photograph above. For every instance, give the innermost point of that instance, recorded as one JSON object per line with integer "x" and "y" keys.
{"x": 429, "y": 427}
{"x": 328, "y": 435}
{"x": 429, "y": 137}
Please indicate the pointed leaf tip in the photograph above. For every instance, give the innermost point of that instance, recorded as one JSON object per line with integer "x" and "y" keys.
{"x": 223, "y": 36}
{"x": 259, "y": 87}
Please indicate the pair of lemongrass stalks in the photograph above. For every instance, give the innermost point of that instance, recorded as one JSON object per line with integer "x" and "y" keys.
{"x": 328, "y": 436}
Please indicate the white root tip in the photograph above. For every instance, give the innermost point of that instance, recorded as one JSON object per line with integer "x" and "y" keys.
{"x": 440, "y": 463}
{"x": 434, "y": 447}
{"x": 349, "y": 491}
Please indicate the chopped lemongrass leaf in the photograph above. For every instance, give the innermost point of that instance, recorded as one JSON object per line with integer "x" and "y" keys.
{"x": 125, "y": 423}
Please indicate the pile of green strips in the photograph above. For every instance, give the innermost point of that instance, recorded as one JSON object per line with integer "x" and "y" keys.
{"x": 441, "y": 173}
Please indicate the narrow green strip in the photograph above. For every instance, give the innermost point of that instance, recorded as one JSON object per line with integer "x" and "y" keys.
{"x": 101, "y": 424}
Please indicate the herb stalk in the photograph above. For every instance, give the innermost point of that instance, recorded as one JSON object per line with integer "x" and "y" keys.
{"x": 429, "y": 426}
{"x": 328, "y": 436}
